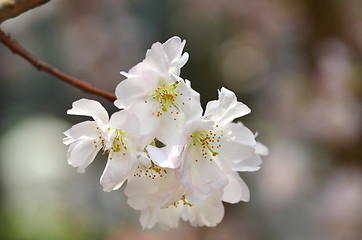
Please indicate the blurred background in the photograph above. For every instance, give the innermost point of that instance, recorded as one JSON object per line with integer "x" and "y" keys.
{"x": 297, "y": 64}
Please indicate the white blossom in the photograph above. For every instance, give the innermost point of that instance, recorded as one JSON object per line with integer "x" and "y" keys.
{"x": 164, "y": 59}
{"x": 154, "y": 92}
{"x": 215, "y": 147}
{"x": 178, "y": 163}
{"x": 87, "y": 138}
{"x": 209, "y": 214}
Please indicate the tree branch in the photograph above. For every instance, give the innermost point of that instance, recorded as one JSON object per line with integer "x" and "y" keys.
{"x": 41, "y": 66}
{"x": 12, "y": 8}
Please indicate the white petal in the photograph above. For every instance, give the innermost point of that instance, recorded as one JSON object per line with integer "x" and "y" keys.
{"x": 261, "y": 149}
{"x": 157, "y": 59}
{"x": 117, "y": 170}
{"x": 177, "y": 64}
{"x": 87, "y": 129}
{"x": 189, "y": 101}
{"x": 90, "y": 108}
{"x": 135, "y": 89}
{"x": 226, "y": 108}
{"x": 233, "y": 151}
{"x": 144, "y": 192}
{"x": 239, "y": 133}
{"x": 125, "y": 121}
{"x": 173, "y": 47}
{"x": 144, "y": 159}
{"x": 197, "y": 124}
{"x": 81, "y": 153}
{"x": 167, "y": 127}
{"x": 236, "y": 190}
{"x": 166, "y": 157}
{"x": 251, "y": 164}
{"x": 148, "y": 122}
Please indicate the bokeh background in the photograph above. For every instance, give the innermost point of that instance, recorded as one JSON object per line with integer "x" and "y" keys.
{"x": 297, "y": 64}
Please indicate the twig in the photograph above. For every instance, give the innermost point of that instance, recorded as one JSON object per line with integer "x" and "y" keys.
{"x": 12, "y": 8}
{"x": 41, "y": 66}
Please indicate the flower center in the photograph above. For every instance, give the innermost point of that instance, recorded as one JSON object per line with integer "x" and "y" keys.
{"x": 151, "y": 172}
{"x": 165, "y": 97}
{"x": 208, "y": 141}
{"x": 182, "y": 201}
{"x": 99, "y": 141}
{"x": 120, "y": 142}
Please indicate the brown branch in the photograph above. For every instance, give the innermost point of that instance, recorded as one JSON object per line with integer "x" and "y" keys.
{"x": 12, "y": 8}
{"x": 87, "y": 87}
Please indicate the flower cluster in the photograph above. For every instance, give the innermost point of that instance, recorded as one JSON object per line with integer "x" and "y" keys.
{"x": 178, "y": 161}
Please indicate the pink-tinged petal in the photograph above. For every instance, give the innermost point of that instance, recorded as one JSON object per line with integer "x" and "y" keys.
{"x": 209, "y": 214}
{"x": 226, "y": 108}
{"x": 187, "y": 174}
{"x": 202, "y": 178}
{"x": 81, "y": 153}
{"x": 148, "y": 218}
{"x": 91, "y": 108}
{"x": 166, "y": 157}
{"x": 165, "y": 218}
{"x": 212, "y": 174}
{"x": 136, "y": 89}
{"x": 116, "y": 171}
{"x": 236, "y": 190}
{"x": 168, "y": 218}
{"x": 87, "y": 129}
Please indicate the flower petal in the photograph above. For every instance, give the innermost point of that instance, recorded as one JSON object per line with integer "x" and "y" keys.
{"x": 189, "y": 101}
{"x": 90, "y": 108}
{"x": 135, "y": 89}
{"x": 81, "y": 153}
{"x": 173, "y": 48}
{"x": 126, "y": 121}
{"x": 202, "y": 178}
{"x": 148, "y": 218}
{"x": 251, "y": 164}
{"x": 238, "y": 133}
{"x": 226, "y": 108}
{"x": 209, "y": 214}
{"x": 233, "y": 151}
{"x": 158, "y": 59}
{"x": 168, "y": 218}
{"x": 261, "y": 149}
{"x": 166, "y": 157}
{"x": 117, "y": 170}
{"x": 236, "y": 190}
{"x": 144, "y": 191}
{"x": 86, "y": 129}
